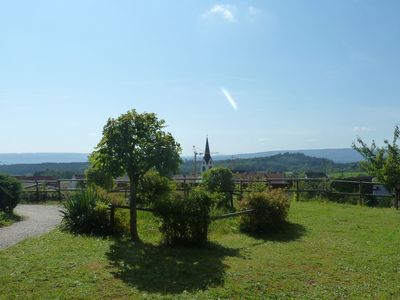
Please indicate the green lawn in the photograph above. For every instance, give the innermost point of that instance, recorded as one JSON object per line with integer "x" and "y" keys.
{"x": 7, "y": 219}
{"x": 329, "y": 251}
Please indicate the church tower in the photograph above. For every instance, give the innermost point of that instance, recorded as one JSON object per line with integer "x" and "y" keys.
{"x": 207, "y": 160}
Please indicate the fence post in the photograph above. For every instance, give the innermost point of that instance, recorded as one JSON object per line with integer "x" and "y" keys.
{"x": 112, "y": 217}
{"x": 396, "y": 198}
{"x": 37, "y": 191}
{"x": 185, "y": 187}
{"x": 360, "y": 200}
{"x": 59, "y": 189}
{"x": 241, "y": 189}
{"x": 297, "y": 189}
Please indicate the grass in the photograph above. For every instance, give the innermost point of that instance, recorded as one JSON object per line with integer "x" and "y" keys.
{"x": 6, "y": 219}
{"x": 328, "y": 251}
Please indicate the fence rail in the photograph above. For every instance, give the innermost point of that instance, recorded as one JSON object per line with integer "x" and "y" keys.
{"x": 301, "y": 188}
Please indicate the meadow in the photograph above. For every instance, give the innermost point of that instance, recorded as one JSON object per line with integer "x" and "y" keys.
{"x": 327, "y": 251}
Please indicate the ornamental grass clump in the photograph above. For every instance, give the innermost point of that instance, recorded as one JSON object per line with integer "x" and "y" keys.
{"x": 185, "y": 219}
{"x": 270, "y": 210}
{"x": 86, "y": 212}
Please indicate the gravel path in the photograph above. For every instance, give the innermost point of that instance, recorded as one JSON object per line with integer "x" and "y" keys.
{"x": 38, "y": 219}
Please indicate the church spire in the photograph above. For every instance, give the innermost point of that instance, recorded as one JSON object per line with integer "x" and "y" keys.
{"x": 207, "y": 160}
{"x": 207, "y": 154}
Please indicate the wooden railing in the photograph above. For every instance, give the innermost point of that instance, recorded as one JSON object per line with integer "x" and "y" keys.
{"x": 302, "y": 188}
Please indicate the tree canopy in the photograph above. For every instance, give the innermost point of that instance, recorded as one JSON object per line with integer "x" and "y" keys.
{"x": 382, "y": 162}
{"x": 133, "y": 144}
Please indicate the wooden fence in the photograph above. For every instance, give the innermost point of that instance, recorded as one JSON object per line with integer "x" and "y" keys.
{"x": 301, "y": 188}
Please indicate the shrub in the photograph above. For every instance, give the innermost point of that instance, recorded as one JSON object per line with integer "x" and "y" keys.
{"x": 320, "y": 186}
{"x": 10, "y": 193}
{"x": 185, "y": 220}
{"x": 86, "y": 212}
{"x": 121, "y": 224}
{"x": 96, "y": 176}
{"x": 219, "y": 180}
{"x": 121, "y": 217}
{"x": 257, "y": 187}
{"x": 270, "y": 209}
{"x": 152, "y": 188}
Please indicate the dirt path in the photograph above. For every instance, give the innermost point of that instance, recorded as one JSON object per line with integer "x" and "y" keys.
{"x": 38, "y": 219}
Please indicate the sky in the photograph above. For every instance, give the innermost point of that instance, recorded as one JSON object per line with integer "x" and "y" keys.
{"x": 252, "y": 75}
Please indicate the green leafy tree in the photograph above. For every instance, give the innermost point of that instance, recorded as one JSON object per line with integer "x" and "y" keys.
{"x": 382, "y": 162}
{"x": 96, "y": 176}
{"x": 133, "y": 144}
{"x": 220, "y": 180}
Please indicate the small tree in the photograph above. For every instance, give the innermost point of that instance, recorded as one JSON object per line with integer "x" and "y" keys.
{"x": 383, "y": 162}
{"x": 96, "y": 176}
{"x": 220, "y": 180}
{"x": 133, "y": 144}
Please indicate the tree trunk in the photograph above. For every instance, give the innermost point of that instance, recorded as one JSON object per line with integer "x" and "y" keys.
{"x": 133, "y": 183}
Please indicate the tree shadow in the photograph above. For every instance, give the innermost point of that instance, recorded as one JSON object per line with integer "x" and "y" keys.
{"x": 288, "y": 232}
{"x": 165, "y": 269}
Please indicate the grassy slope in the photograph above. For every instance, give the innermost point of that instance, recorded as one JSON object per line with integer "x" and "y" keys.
{"x": 329, "y": 251}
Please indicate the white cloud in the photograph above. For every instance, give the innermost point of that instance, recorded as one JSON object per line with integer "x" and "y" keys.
{"x": 226, "y": 12}
{"x": 362, "y": 129}
{"x": 230, "y": 99}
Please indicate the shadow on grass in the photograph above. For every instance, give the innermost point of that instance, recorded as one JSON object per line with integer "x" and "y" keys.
{"x": 169, "y": 270}
{"x": 287, "y": 233}
{"x": 7, "y": 218}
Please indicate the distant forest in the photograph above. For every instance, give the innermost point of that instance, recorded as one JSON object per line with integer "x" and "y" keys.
{"x": 296, "y": 163}
{"x": 59, "y": 170}
{"x": 292, "y": 163}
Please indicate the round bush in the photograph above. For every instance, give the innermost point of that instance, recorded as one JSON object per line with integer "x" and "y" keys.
{"x": 185, "y": 220}
{"x": 96, "y": 176}
{"x": 219, "y": 181}
{"x": 153, "y": 187}
{"x": 10, "y": 193}
{"x": 270, "y": 209}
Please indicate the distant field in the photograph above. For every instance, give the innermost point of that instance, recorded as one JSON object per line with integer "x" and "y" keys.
{"x": 339, "y": 175}
{"x": 329, "y": 251}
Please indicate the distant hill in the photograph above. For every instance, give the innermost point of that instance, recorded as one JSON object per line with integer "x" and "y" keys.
{"x": 38, "y": 158}
{"x": 60, "y": 170}
{"x": 279, "y": 163}
{"x": 340, "y": 155}
{"x": 284, "y": 162}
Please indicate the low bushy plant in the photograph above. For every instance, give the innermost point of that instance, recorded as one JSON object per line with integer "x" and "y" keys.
{"x": 219, "y": 182}
{"x": 270, "y": 209}
{"x": 153, "y": 187}
{"x": 98, "y": 177}
{"x": 185, "y": 220}
{"x": 257, "y": 187}
{"x": 86, "y": 212}
{"x": 10, "y": 193}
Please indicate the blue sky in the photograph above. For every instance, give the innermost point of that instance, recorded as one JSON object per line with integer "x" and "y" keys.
{"x": 253, "y": 75}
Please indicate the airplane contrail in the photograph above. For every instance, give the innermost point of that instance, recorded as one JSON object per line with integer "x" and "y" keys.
{"x": 230, "y": 99}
